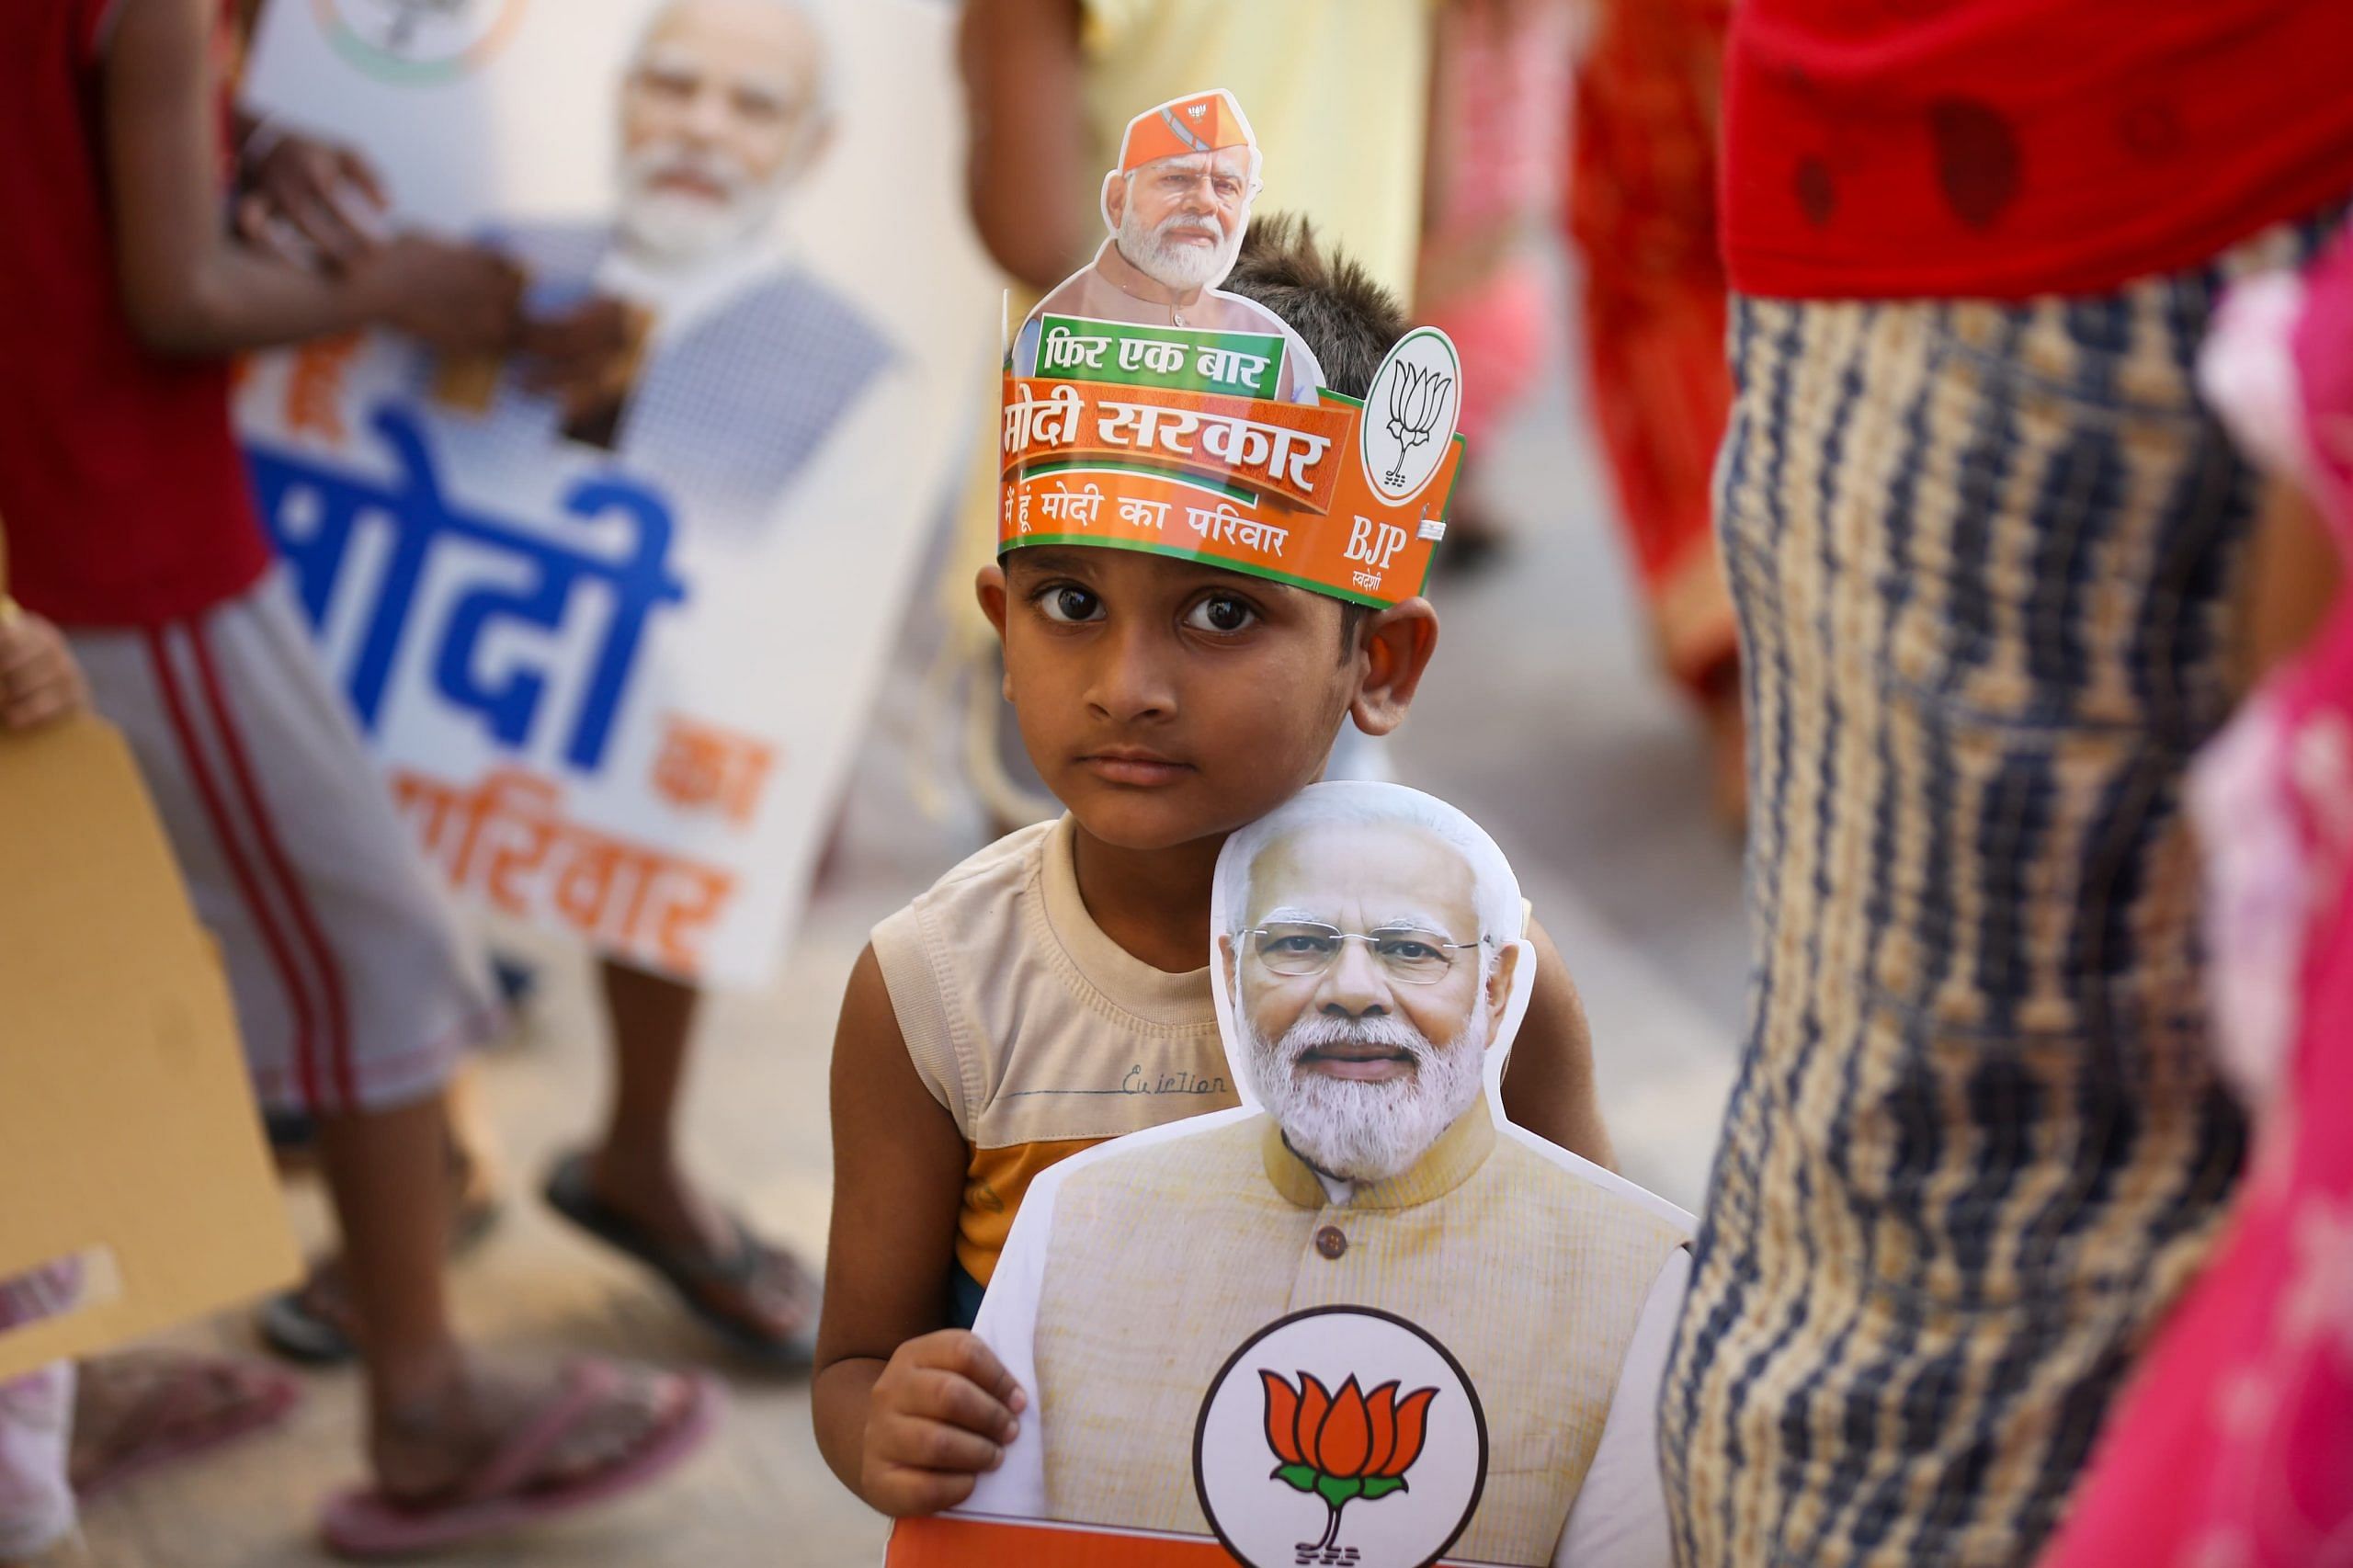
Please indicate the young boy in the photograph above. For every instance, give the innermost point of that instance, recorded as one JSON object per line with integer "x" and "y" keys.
{"x": 1054, "y": 990}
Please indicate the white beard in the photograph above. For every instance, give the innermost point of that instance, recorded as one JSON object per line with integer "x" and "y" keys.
{"x": 1175, "y": 265}
{"x": 676, "y": 230}
{"x": 1361, "y": 1131}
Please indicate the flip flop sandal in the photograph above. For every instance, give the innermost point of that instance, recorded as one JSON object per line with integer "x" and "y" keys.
{"x": 689, "y": 1276}
{"x": 184, "y": 1416}
{"x": 291, "y": 1325}
{"x": 504, "y": 1495}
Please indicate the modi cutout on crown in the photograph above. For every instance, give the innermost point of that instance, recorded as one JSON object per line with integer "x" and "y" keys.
{"x": 1147, "y": 408}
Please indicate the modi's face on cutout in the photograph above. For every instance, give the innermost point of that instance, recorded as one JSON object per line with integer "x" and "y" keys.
{"x": 719, "y": 116}
{"x": 1180, "y": 221}
{"x": 1364, "y": 995}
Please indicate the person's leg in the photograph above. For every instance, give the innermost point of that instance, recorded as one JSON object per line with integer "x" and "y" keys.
{"x": 1641, "y": 207}
{"x": 637, "y": 1164}
{"x": 633, "y": 1188}
{"x": 312, "y": 1323}
{"x": 354, "y": 997}
{"x": 385, "y": 1170}
{"x": 435, "y": 1413}
{"x": 1981, "y": 556}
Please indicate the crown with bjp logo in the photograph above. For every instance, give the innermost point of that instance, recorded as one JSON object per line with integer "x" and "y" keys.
{"x": 1212, "y": 439}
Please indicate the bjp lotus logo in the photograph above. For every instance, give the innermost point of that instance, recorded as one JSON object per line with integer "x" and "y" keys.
{"x": 1417, "y": 398}
{"x": 1345, "y": 1445}
{"x": 1358, "y": 1409}
{"x": 1410, "y": 412}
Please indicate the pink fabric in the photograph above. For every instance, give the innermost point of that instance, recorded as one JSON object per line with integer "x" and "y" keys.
{"x": 1508, "y": 68}
{"x": 2323, "y": 356}
{"x": 2234, "y": 1449}
{"x": 1501, "y": 331}
{"x": 1496, "y": 163}
{"x": 36, "y": 1426}
{"x": 36, "y": 1416}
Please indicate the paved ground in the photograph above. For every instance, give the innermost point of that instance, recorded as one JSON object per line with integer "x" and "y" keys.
{"x": 1541, "y": 717}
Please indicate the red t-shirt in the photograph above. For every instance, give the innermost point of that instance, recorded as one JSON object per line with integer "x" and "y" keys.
{"x": 1925, "y": 148}
{"x": 122, "y": 495}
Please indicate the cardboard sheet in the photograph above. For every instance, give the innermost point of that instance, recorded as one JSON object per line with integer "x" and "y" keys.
{"x": 128, "y": 1133}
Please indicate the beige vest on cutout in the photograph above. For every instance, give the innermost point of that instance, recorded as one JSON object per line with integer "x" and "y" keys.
{"x": 1532, "y": 1276}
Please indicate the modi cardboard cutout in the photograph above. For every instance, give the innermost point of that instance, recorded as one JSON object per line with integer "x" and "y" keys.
{"x": 1362, "y": 1319}
{"x": 1145, "y": 408}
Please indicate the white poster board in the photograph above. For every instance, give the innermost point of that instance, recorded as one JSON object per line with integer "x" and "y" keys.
{"x": 615, "y": 664}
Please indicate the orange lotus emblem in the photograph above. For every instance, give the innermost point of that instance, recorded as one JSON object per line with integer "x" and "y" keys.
{"x": 1345, "y": 1445}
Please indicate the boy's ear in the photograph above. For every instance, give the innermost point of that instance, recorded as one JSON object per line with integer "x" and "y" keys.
{"x": 988, "y": 587}
{"x": 1396, "y": 648}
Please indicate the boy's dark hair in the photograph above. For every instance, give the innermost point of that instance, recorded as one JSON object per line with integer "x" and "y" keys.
{"x": 1347, "y": 321}
{"x": 1346, "y": 318}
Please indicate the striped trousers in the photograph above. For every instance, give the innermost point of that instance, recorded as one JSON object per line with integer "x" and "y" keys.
{"x": 1983, "y": 556}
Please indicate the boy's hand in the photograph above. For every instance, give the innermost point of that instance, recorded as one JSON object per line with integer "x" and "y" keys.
{"x": 39, "y": 680}
{"x": 940, "y": 1414}
{"x": 306, "y": 200}
{"x": 458, "y": 298}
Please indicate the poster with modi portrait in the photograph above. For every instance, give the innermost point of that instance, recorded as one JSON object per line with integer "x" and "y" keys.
{"x": 614, "y": 635}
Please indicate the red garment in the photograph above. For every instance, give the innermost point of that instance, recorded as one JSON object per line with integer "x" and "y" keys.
{"x": 123, "y": 494}
{"x": 2006, "y": 148}
{"x": 1641, "y": 208}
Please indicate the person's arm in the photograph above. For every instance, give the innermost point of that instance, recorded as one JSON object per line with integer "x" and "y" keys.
{"x": 310, "y": 202}
{"x": 1619, "y": 1513}
{"x": 1549, "y": 1082}
{"x": 908, "y": 1413}
{"x": 2292, "y": 577}
{"x": 188, "y": 288}
{"x": 1023, "y": 85}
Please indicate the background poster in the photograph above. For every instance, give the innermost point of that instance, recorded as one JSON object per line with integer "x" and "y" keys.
{"x": 617, "y": 669}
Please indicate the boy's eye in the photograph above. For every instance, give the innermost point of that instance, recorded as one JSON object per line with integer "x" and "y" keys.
{"x": 1222, "y": 614}
{"x": 1068, "y": 606}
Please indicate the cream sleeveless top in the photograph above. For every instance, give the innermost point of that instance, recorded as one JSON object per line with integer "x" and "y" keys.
{"x": 1040, "y": 1034}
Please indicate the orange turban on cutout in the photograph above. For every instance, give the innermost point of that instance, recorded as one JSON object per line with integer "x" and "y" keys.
{"x": 1204, "y": 122}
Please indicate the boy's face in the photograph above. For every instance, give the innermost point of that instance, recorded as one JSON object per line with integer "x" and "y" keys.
{"x": 1164, "y": 701}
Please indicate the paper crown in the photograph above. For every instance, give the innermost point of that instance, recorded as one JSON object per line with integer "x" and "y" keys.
{"x": 1147, "y": 409}
{"x": 1199, "y": 123}
{"x": 1344, "y": 498}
